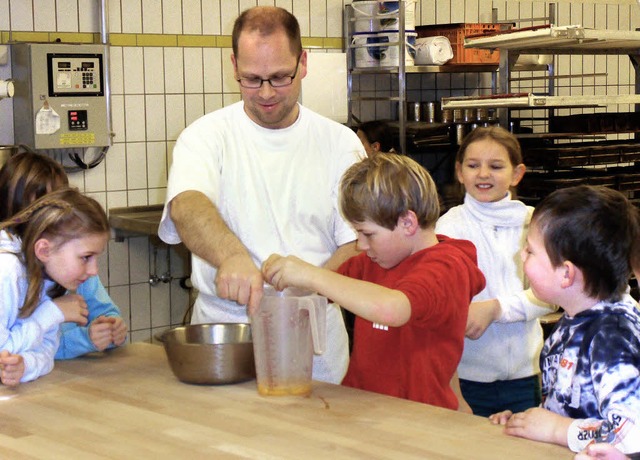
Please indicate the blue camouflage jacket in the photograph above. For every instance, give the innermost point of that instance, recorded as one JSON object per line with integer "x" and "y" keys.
{"x": 591, "y": 372}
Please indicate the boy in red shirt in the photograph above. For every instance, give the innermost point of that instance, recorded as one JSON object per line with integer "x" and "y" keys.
{"x": 409, "y": 288}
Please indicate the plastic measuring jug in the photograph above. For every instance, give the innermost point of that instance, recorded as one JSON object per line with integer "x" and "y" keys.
{"x": 287, "y": 329}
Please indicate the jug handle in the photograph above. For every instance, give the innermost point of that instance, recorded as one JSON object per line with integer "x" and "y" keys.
{"x": 315, "y": 334}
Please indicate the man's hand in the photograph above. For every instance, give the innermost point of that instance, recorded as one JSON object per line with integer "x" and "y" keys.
{"x": 205, "y": 233}
{"x": 239, "y": 280}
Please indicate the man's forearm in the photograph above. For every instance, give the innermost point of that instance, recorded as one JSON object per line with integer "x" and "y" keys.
{"x": 202, "y": 229}
{"x": 341, "y": 254}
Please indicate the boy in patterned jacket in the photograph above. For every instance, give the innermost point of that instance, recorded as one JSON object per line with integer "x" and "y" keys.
{"x": 579, "y": 247}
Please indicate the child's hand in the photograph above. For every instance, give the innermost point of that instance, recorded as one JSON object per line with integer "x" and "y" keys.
{"x": 539, "y": 424}
{"x": 11, "y": 368}
{"x": 107, "y": 330}
{"x": 282, "y": 272}
{"x": 481, "y": 315}
{"x": 600, "y": 451}
{"x": 501, "y": 418}
{"x": 73, "y": 307}
{"x": 100, "y": 332}
{"x": 118, "y": 331}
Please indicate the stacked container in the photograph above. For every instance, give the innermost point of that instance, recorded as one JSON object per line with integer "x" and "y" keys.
{"x": 456, "y": 33}
{"x": 377, "y": 23}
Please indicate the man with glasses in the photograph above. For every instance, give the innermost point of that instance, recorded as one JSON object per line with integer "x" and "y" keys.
{"x": 260, "y": 177}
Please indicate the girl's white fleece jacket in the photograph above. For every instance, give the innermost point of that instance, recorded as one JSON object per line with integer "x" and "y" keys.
{"x": 510, "y": 347}
{"x": 34, "y": 337}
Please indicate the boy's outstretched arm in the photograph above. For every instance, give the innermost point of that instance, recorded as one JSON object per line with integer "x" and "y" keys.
{"x": 370, "y": 301}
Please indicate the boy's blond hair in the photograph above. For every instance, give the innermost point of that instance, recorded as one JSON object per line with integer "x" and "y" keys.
{"x": 384, "y": 187}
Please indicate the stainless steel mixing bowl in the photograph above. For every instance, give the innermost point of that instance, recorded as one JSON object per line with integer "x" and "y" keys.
{"x": 210, "y": 353}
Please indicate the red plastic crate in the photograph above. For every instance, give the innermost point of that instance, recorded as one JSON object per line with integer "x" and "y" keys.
{"x": 456, "y": 33}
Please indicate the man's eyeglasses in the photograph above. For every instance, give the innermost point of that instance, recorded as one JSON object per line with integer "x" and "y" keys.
{"x": 275, "y": 82}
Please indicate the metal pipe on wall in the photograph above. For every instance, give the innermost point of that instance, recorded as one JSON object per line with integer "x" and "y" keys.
{"x": 104, "y": 39}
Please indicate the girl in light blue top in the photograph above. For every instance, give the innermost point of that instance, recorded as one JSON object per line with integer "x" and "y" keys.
{"x": 105, "y": 328}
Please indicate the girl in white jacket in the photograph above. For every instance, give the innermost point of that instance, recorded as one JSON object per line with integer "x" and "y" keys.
{"x": 49, "y": 247}
{"x": 499, "y": 368}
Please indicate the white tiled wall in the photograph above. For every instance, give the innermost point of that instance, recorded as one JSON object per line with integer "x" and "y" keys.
{"x": 157, "y": 91}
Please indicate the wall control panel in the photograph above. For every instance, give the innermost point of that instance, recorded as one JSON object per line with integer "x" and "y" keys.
{"x": 61, "y": 95}
{"x": 75, "y": 75}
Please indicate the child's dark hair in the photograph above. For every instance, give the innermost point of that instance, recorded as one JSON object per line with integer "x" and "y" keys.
{"x": 383, "y": 188}
{"x": 24, "y": 178}
{"x": 378, "y": 131}
{"x": 61, "y": 216}
{"x": 595, "y": 228}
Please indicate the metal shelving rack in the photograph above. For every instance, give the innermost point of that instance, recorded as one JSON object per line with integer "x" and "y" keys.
{"x": 570, "y": 40}
{"x": 613, "y": 163}
{"x": 401, "y": 70}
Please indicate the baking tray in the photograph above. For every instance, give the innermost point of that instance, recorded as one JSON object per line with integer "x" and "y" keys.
{"x": 530, "y": 100}
{"x": 609, "y": 122}
{"x": 583, "y": 154}
{"x": 571, "y": 39}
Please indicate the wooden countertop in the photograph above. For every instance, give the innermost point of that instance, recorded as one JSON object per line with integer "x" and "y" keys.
{"x": 127, "y": 404}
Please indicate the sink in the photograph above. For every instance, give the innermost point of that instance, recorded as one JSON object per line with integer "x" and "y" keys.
{"x": 135, "y": 221}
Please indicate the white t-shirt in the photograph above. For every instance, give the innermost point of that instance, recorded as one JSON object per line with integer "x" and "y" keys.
{"x": 277, "y": 190}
